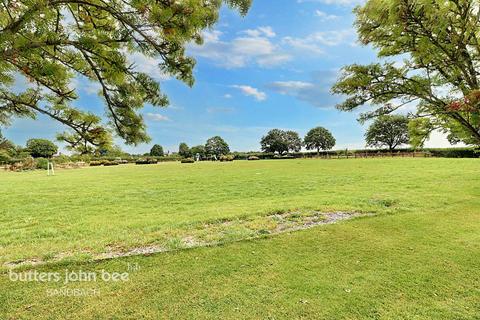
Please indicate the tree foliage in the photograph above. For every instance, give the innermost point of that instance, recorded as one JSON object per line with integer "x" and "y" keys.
{"x": 216, "y": 146}
{"x": 441, "y": 43}
{"x": 89, "y": 137}
{"x": 51, "y": 43}
{"x": 318, "y": 139}
{"x": 293, "y": 141}
{"x": 7, "y": 146}
{"x": 281, "y": 141}
{"x": 156, "y": 151}
{"x": 419, "y": 130}
{"x": 41, "y": 148}
{"x": 274, "y": 141}
{"x": 388, "y": 130}
{"x": 184, "y": 150}
{"x": 200, "y": 150}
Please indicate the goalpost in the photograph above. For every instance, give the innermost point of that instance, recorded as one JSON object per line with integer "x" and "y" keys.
{"x": 50, "y": 170}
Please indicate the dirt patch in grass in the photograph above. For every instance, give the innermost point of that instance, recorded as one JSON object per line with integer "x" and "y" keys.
{"x": 209, "y": 234}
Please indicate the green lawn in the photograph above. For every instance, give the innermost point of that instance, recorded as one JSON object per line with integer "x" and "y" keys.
{"x": 417, "y": 258}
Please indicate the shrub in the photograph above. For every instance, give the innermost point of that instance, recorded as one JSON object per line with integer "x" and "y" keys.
{"x": 61, "y": 159}
{"x": 253, "y": 158}
{"x": 226, "y": 158}
{"x": 41, "y": 163}
{"x": 29, "y": 164}
{"x": 454, "y": 153}
{"x": 107, "y": 163}
{"x": 95, "y": 163}
{"x": 187, "y": 160}
{"x": 147, "y": 161}
{"x": 4, "y": 157}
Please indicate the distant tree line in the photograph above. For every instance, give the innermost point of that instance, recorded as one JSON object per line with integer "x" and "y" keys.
{"x": 280, "y": 141}
{"x": 215, "y": 147}
{"x": 385, "y": 132}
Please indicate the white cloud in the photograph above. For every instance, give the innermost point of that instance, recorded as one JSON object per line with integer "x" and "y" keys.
{"x": 156, "y": 117}
{"x": 303, "y": 45}
{"x": 288, "y": 87}
{"x": 315, "y": 92}
{"x": 254, "y": 46}
{"x": 227, "y": 96}
{"x": 260, "y": 31}
{"x": 325, "y": 16}
{"x": 314, "y": 41}
{"x": 251, "y": 91}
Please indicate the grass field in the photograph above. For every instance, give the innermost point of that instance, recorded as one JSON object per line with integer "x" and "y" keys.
{"x": 416, "y": 258}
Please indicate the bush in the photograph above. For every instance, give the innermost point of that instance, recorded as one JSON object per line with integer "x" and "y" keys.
{"x": 29, "y": 164}
{"x": 61, "y": 159}
{"x": 454, "y": 153}
{"x": 95, "y": 163}
{"x": 4, "y": 157}
{"x": 187, "y": 160}
{"x": 170, "y": 158}
{"x": 253, "y": 158}
{"x": 226, "y": 158}
{"x": 41, "y": 163}
{"x": 107, "y": 163}
{"x": 146, "y": 161}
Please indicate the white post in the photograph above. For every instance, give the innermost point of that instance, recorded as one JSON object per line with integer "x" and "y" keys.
{"x": 50, "y": 170}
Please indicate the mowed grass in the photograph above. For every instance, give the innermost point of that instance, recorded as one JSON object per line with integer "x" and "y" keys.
{"x": 127, "y": 206}
{"x": 417, "y": 258}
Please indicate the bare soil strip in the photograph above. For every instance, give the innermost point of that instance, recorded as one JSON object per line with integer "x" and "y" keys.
{"x": 211, "y": 234}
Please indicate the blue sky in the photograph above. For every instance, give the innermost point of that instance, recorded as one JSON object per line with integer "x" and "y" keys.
{"x": 270, "y": 69}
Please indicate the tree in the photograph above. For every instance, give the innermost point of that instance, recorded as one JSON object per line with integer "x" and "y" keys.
{"x": 41, "y": 148}
{"x": 200, "y": 150}
{"x": 318, "y": 139}
{"x": 274, "y": 141}
{"x": 55, "y": 43}
{"x": 156, "y": 151}
{"x": 110, "y": 151}
{"x": 89, "y": 135}
{"x": 7, "y": 146}
{"x": 184, "y": 150}
{"x": 281, "y": 141}
{"x": 440, "y": 75}
{"x": 216, "y": 146}
{"x": 4, "y": 156}
{"x": 294, "y": 143}
{"x": 419, "y": 130}
{"x": 388, "y": 130}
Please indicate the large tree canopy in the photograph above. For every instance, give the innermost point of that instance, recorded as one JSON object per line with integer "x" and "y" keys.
{"x": 281, "y": 141}
{"x": 440, "y": 41}
{"x": 41, "y": 148}
{"x": 51, "y": 42}
{"x": 216, "y": 146}
{"x": 318, "y": 139}
{"x": 184, "y": 150}
{"x": 156, "y": 151}
{"x": 388, "y": 131}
